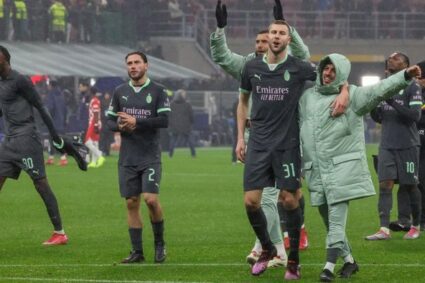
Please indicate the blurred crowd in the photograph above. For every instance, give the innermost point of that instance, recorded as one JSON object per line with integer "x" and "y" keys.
{"x": 112, "y": 21}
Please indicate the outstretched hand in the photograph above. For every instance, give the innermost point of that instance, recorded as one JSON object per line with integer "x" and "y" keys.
{"x": 278, "y": 11}
{"x": 422, "y": 67}
{"x": 221, "y": 14}
{"x": 416, "y": 71}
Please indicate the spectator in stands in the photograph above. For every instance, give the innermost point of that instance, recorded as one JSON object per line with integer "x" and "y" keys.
{"x": 5, "y": 7}
{"x": 55, "y": 103}
{"x": 38, "y": 19}
{"x": 20, "y": 20}
{"x": 73, "y": 24}
{"x": 309, "y": 7}
{"x": 88, "y": 16}
{"x": 340, "y": 8}
{"x": 180, "y": 123}
{"x": 58, "y": 15}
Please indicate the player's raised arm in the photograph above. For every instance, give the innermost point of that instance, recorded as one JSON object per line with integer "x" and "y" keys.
{"x": 231, "y": 62}
{"x": 368, "y": 97}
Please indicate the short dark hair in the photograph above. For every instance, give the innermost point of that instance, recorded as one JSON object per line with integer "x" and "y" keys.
{"x": 5, "y": 53}
{"x": 140, "y": 53}
{"x": 403, "y": 56}
{"x": 263, "y": 31}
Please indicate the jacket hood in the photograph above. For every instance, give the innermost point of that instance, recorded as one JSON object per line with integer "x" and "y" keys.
{"x": 342, "y": 69}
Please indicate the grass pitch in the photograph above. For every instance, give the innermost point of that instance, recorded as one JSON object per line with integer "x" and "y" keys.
{"x": 206, "y": 230}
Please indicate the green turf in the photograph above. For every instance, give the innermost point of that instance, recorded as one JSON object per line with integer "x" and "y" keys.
{"x": 207, "y": 232}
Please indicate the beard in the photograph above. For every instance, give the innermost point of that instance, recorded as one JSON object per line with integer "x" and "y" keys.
{"x": 279, "y": 50}
{"x": 137, "y": 76}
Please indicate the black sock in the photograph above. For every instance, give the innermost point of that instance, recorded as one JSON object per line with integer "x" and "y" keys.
{"x": 415, "y": 203}
{"x": 385, "y": 204}
{"x": 422, "y": 191}
{"x": 332, "y": 255}
{"x": 158, "y": 232}
{"x": 293, "y": 225}
{"x": 302, "y": 205}
{"x": 136, "y": 239}
{"x": 259, "y": 224}
{"x": 403, "y": 205}
{"x": 50, "y": 202}
{"x": 282, "y": 216}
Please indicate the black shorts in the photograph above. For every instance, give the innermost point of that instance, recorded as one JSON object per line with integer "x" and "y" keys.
{"x": 401, "y": 165}
{"x": 280, "y": 168}
{"x": 22, "y": 153}
{"x": 134, "y": 180}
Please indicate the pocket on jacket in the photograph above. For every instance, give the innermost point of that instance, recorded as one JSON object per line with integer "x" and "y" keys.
{"x": 348, "y": 168}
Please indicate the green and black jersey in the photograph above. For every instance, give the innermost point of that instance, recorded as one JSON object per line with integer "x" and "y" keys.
{"x": 149, "y": 101}
{"x": 397, "y": 131}
{"x": 275, "y": 90}
{"x": 17, "y": 98}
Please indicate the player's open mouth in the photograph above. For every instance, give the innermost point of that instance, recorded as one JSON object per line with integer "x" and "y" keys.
{"x": 327, "y": 80}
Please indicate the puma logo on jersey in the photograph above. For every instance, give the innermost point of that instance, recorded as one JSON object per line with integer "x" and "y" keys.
{"x": 125, "y": 98}
{"x": 257, "y": 76}
{"x": 35, "y": 172}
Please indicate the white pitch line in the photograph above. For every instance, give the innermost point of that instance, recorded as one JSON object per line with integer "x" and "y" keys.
{"x": 199, "y": 174}
{"x": 72, "y": 265}
{"x": 82, "y": 280}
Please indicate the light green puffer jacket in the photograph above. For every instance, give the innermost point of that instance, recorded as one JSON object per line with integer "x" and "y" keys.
{"x": 334, "y": 153}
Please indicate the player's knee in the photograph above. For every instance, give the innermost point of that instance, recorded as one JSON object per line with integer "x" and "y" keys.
{"x": 386, "y": 185}
{"x": 41, "y": 184}
{"x": 132, "y": 203}
{"x": 252, "y": 203}
{"x": 151, "y": 202}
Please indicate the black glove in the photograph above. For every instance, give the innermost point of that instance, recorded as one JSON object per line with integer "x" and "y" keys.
{"x": 74, "y": 148}
{"x": 277, "y": 11}
{"x": 221, "y": 14}
{"x": 422, "y": 66}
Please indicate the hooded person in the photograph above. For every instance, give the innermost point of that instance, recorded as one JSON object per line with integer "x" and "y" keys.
{"x": 334, "y": 152}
